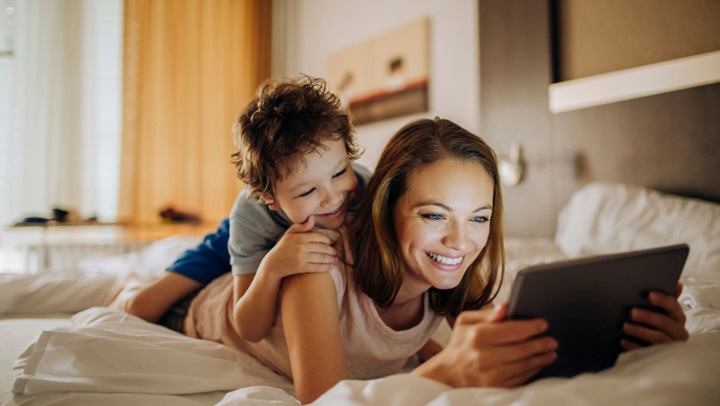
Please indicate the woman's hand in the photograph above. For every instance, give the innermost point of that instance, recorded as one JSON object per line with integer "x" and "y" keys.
{"x": 486, "y": 351}
{"x": 656, "y": 327}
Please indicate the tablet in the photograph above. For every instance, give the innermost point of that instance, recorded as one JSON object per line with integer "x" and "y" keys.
{"x": 585, "y": 302}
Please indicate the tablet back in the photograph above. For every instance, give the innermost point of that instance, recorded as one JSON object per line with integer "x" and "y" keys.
{"x": 585, "y": 301}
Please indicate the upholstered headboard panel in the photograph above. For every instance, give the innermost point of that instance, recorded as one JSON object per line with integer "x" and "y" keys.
{"x": 669, "y": 142}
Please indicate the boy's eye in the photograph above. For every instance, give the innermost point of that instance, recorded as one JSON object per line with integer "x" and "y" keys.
{"x": 307, "y": 193}
{"x": 341, "y": 173}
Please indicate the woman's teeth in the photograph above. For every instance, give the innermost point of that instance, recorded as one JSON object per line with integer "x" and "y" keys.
{"x": 444, "y": 260}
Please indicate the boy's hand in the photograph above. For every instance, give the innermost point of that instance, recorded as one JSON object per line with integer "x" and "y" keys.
{"x": 302, "y": 249}
{"x": 657, "y": 327}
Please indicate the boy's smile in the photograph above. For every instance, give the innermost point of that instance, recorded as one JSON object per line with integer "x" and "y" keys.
{"x": 322, "y": 187}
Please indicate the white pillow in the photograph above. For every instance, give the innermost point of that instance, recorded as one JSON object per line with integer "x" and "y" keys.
{"x": 611, "y": 217}
{"x": 147, "y": 263}
{"x": 61, "y": 292}
{"x": 71, "y": 292}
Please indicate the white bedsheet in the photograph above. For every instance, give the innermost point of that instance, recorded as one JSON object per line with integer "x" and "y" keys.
{"x": 111, "y": 353}
{"x": 108, "y": 351}
{"x": 676, "y": 374}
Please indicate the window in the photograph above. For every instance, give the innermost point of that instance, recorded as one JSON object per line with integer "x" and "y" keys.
{"x": 60, "y": 107}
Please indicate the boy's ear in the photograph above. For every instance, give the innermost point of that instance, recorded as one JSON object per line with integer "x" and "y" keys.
{"x": 270, "y": 201}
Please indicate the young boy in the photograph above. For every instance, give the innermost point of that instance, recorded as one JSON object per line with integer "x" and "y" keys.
{"x": 295, "y": 148}
{"x": 295, "y": 152}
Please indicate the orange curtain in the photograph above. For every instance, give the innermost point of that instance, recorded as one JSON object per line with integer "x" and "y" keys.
{"x": 190, "y": 66}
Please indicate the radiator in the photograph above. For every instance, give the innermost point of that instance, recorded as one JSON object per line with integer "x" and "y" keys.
{"x": 58, "y": 257}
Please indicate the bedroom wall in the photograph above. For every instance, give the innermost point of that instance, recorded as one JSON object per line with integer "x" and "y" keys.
{"x": 314, "y": 29}
{"x": 668, "y": 141}
{"x": 507, "y": 46}
{"x": 595, "y": 37}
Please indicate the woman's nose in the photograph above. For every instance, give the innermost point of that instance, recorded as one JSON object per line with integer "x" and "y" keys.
{"x": 457, "y": 238}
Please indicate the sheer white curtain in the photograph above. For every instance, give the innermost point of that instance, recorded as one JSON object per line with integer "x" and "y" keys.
{"x": 60, "y": 107}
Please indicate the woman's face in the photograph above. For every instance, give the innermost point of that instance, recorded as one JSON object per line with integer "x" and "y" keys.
{"x": 442, "y": 222}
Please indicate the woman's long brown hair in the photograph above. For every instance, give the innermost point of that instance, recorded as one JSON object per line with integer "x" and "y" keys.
{"x": 378, "y": 263}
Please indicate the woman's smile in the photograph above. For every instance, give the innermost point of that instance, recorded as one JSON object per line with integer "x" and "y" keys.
{"x": 443, "y": 260}
{"x": 442, "y": 223}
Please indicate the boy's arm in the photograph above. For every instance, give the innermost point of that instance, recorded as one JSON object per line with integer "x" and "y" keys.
{"x": 152, "y": 301}
{"x": 255, "y": 305}
{"x": 299, "y": 250}
{"x": 193, "y": 269}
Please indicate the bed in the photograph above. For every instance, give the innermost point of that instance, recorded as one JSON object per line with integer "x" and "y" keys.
{"x": 60, "y": 347}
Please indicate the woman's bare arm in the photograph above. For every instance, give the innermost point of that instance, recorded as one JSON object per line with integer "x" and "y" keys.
{"x": 310, "y": 317}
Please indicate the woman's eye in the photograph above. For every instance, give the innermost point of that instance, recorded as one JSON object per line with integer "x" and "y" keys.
{"x": 341, "y": 173}
{"x": 480, "y": 219}
{"x": 432, "y": 216}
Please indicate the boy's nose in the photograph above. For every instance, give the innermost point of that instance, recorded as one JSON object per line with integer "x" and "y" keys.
{"x": 332, "y": 198}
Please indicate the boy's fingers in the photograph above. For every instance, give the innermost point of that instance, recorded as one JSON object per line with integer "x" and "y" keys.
{"x": 320, "y": 248}
{"x": 299, "y": 228}
{"x": 303, "y": 227}
{"x": 309, "y": 223}
{"x": 334, "y": 235}
{"x": 317, "y": 268}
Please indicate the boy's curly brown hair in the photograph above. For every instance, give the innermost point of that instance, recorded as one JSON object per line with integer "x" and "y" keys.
{"x": 286, "y": 121}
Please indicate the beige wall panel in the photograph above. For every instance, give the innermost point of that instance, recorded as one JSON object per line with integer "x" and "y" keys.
{"x": 597, "y": 37}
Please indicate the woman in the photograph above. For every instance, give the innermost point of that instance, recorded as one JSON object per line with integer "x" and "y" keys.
{"x": 427, "y": 245}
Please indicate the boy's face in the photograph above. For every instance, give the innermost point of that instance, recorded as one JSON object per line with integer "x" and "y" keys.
{"x": 322, "y": 187}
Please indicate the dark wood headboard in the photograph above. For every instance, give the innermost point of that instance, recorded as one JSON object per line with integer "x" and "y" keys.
{"x": 669, "y": 142}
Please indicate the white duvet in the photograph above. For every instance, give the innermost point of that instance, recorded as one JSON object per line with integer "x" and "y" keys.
{"x": 111, "y": 353}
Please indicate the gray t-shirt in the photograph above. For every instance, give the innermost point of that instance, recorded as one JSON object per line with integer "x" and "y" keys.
{"x": 254, "y": 228}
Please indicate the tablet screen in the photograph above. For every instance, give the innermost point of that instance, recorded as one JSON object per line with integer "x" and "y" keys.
{"x": 585, "y": 301}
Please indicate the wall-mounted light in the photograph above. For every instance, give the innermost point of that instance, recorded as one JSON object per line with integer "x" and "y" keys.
{"x": 7, "y": 28}
{"x": 512, "y": 166}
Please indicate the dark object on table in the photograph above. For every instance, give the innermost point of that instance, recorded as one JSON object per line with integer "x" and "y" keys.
{"x": 32, "y": 220}
{"x": 175, "y": 216}
{"x": 60, "y": 215}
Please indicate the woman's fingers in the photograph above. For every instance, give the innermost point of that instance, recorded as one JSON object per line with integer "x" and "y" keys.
{"x": 523, "y": 353}
{"x": 670, "y": 304}
{"x": 648, "y": 335}
{"x": 506, "y": 332}
{"x": 504, "y": 353}
{"x": 656, "y": 327}
{"x": 523, "y": 370}
{"x": 629, "y": 345}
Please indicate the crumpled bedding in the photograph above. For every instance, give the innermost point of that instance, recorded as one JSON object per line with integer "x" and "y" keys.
{"x": 106, "y": 351}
